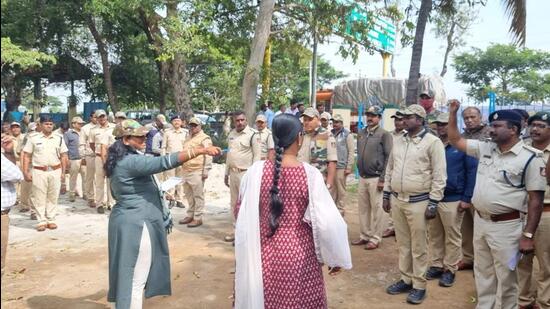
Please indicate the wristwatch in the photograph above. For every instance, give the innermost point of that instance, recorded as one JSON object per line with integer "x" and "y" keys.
{"x": 527, "y": 235}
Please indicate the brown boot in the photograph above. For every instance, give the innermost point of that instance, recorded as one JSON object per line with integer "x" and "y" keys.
{"x": 186, "y": 220}
{"x": 41, "y": 227}
{"x": 195, "y": 223}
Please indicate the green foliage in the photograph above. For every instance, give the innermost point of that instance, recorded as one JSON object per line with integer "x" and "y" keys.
{"x": 511, "y": 72}
{"x": 13, "y": 56}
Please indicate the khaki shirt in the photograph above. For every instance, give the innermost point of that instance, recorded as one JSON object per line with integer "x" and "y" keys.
{"x": 397, "y": 135}
{"x": 99, "y": 136}
{"x": 417, "y": 165}
{"x": 318, "y": 148}
{"x": 173, "y": 140}
{"x": 263, "y": 142}
{"x": 498, "y": 173}
{"x": 240, "y": 153}
{"x": 201, "y": 163}
{"x": 85, "y": 135}
{"x": 545, "y": 158}
{"x": 45, "y": 150}
{"x": 18, "y": 145}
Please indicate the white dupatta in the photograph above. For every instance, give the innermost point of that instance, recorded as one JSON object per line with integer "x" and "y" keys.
{"x": 329, "y": 233}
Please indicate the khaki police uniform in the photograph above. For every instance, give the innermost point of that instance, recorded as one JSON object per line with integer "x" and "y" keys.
{"x": 416, "y": 175}
{"x": 395, "y": 135}
{"x": 467, "y": 229}
{"x": 89, "y": 158}
{"x": 498, "y": 193}
{"x": 539, "y": 292}
{"x": 193, "y": 172}
{"x": 76, "y": 168}
{"x": 345, "y": 149}
{"x": 100, "y": 136}
{"x": 46, "y": 152}
{"x": 26, "y": 186}
{"x": 17, "y": 145}
{"x": 173, "y": 142}
{"x": 318, "y": 149}
{"x": 240, "y": 157}
{"x": 263, "y": 143}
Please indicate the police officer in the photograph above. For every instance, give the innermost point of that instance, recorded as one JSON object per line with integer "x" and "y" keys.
{"x": 444, "y": 230}
{"x": 415, "y": 180}
{"x": 508, "y": 173}
{"x": 399, "y": 131}
{"x": 75, "y": 144}
{"x": 474, "y": 129}
{"x": 318, "y": 146}
{"x": 374, "y": 146}
{"x": 195, "y": 172}
{"x": 345, "y": 150}
{"x": 325, "y": 120}
{"x": 240, "y": 157}
{"x": 99, "y": 136}
{"x": 173, "y": 142}
{"x": 263, "y": 146}
{"x": 530, "y": 296}
{"x": 89, "y": 161}
{"x": 48, "y": 154}
{"x": 17, "y": 138}
{"x": 26, "y": 186}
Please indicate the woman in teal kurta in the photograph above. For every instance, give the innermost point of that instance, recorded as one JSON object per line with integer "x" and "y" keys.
{"x": 140, "y": 208}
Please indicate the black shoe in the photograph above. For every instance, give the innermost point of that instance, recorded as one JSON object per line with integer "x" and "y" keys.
{"x": 171, "y": 204}
{"x": 101, "y": 210}
{"x": 180, "y": 205}
{"x": 398, "y": 288}
{"x": 416, "y": 296}
{"x": 434, "y": 273}
{"x": 447, "y": 279}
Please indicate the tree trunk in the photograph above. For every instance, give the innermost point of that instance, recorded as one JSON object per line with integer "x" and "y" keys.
{"x": 72, "y": 102}
{"x": 266, "y": 77}
{"x": 179, "y": 78}
{"x": 450, "y": 47}
{"x": 13, "y": 92}
{"x": 257, "y": 50}
{"x": 37, "y": 103}
{"x": 414, "y": 71}
{"x": 313, "y": 94}
{"x": 102, "y": 49}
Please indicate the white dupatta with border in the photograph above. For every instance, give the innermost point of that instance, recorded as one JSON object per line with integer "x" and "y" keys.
{"x": 329, "y": 233}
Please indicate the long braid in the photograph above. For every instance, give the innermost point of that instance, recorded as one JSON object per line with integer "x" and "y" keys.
{"x": 276, "y": 202}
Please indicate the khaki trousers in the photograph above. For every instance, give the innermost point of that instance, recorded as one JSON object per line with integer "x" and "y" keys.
{"x": 411, "y": 235}
{"x": 45, "y": 192}
{"x": 234, "y": 185}
{"x": 444, "y": 236}
{"x": 4, "y": 238}
{"x": 75, "y": 169}
{"x": 193, "y": 185}
{"x": 540, "y": 292}
{"x": 338, "y": 191}
{"x": 26, "y": 190}
{"x": 89, "y": 183}
{"x": 372, "y": 217}
{"x": 103, "y": 195}
{"x": 495, "y": 243}
{"x": 467, "y": 232}
{"x": 177, "y": 192}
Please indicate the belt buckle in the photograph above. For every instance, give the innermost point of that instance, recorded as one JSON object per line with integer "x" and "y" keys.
{"x": 49, "y": 169}
{"x": 485, "y": 216}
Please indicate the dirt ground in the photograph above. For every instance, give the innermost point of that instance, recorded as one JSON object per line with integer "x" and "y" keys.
{"x": 67, "y": 268}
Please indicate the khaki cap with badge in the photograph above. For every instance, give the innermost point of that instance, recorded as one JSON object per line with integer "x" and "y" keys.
{"x": 77, "y": 119}
{"x": 413, "y": 109}
{"x": 311, "y": 112}
{"x": 442, "y": 118}
{"x": 325, "y": 116}
{"x": 120, "y": 115}
{"x": 375, "y": 110}
{"x": 130, "y": 127}
{"x": 261, "y": 118}
{"x": 100, "y": 112}
{"x": 195, "y": 121}
{"x": 338, "y": 118}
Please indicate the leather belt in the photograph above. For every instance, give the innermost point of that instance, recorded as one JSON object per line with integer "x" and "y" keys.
{"x": 546, "y": 207}
{"x": 501, "y": 217}
{"x": 47, "y": 168}
{"x": 98, "y": 155}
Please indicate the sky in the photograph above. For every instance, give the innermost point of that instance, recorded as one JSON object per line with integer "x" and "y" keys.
{"x": 491, "y": 27}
